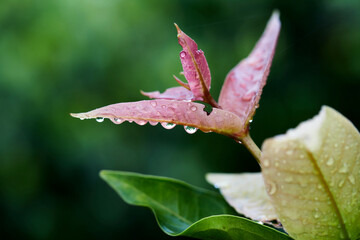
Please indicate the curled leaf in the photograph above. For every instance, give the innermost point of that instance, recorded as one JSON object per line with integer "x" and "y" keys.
{"x": 312, "y": 175}
{"x": 177, "y": 93}
{"x": 196, "y": 69}
{"x": 246, "y": 193}
{"x": 169, "y": 111}
{"x": 243, "y": 85}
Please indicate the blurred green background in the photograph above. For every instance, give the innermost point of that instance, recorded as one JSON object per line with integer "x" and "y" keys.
{"x": 62, "y": 56}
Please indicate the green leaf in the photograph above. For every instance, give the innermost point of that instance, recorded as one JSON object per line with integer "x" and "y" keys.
{"x": 312, "y": 175}
{"x": 184, "y": 210}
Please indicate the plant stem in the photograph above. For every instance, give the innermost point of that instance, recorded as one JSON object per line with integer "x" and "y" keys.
{"x": 251, "y": 146}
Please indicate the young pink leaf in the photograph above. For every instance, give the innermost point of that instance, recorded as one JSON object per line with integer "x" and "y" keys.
{"x": 169, "y": 111}
{"x": 177, "y": 93}
{"x": 185, "y": 85}
{"x": 241, "y": 91}
{"x": 196, "y": 69}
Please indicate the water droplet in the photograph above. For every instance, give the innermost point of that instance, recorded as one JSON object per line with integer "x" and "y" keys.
{"x": 272, "y": 188}
{"x": 316, "y": 215}
{"x": 344, "y": 168}
{"x": 141, "y": 122}
{"x": 289, "y": 179}
{"x": 199, "y": 51}
{"x": 82, "y": 118}
{"x": 168, "y": 125}
{"x": 99, "y": 119}
{"x": 193, "y": 108}
{"x": 118, "y": 120}
{"x": 319, "y": 186}
{"x": 153, "y": 104}
{"x": 153, "y": 123}
{"x": 341, "y": 183}
{"x": 330, "y": 162}
{"x": 182, "y": 54}
{"x": 250, "y": 121}
{"x": 266, "y": 163}
{"x": 190, "y": 130}
{"x": 303, "y": 183}
{"x": 351, "y": 179}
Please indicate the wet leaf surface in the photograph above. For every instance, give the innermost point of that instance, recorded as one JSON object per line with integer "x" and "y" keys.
{"x": 312, "y": 175}
{"x": 243, "y": 85}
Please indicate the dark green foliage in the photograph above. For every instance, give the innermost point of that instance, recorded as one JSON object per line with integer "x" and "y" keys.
{"x": 184, "y": 210}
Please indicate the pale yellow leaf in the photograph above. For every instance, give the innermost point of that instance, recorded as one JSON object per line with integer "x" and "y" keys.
{"x": 246, "y": 193}
{"x": 312, "y": 175}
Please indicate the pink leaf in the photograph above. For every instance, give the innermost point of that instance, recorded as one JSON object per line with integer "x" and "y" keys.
{"x": 177, "y": 93}
{"x": 169, "y": 111}
{"x": 185, "y": 85}
{"x": 241, "y": 91}
{"x": 196, "y": 69}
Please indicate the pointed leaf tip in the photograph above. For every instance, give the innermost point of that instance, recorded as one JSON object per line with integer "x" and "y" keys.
{"x": 195, "y": 66}
{"x": 177, "y": 28}
{"x": 243, "y": 85}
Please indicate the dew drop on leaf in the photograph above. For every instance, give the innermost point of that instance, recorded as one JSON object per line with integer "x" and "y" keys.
{"x": 118, "y": 120}
{"x": 182, "y": 54}
{"x": 289, "y": 152}
{"x": 168, "y": 125}
{"x": 341, "y": 183}
{"x": 99, "y": 119}
{"x": 330, "y": 162}
{"x": 272, "y": 188}
{"x": 289, "y": 179}
{"x": 193, "y": 108}
{"x": 141, "y": 122}
{"x": 190, "y": 130}
{"x": 351, "y": 179}
{"x": 266, "y": 163}
{"x": 153, "y": 123}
